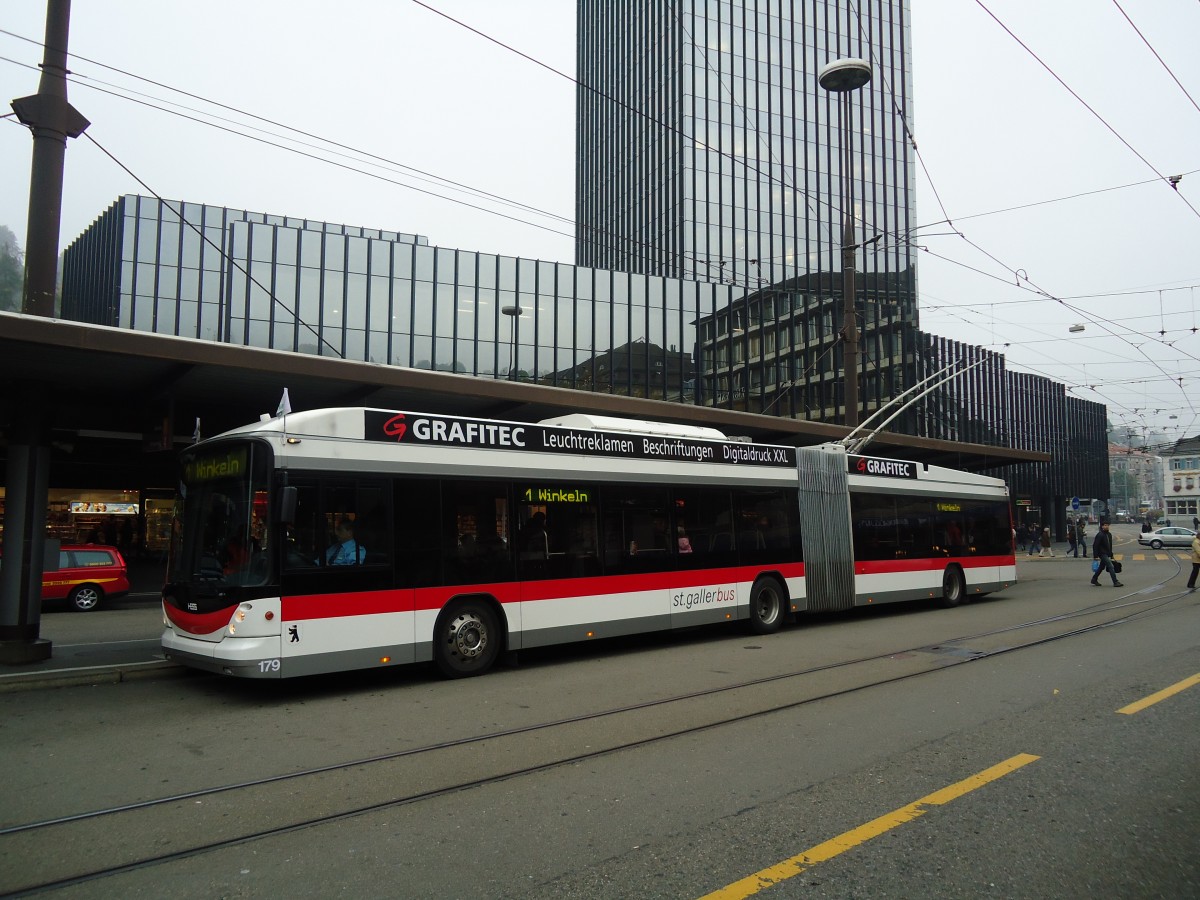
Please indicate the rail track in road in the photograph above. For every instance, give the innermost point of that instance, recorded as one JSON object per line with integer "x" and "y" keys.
{"x": 202, "y": 821}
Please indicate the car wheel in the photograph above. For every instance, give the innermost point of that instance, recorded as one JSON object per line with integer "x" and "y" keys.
{"x": 466, "y": 639}
{"x": 767, "y": 606}
{"x": 1156, "y": 544}
{"x": 85, "y": 598}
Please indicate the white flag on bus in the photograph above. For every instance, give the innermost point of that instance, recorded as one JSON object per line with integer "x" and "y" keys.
{"x": 285, "y": 404}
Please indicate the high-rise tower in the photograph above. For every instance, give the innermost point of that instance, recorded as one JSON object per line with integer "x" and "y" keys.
{"x": 707, "y": 150}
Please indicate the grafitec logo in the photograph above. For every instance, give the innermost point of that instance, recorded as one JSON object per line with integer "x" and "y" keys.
{"x": 395, "y": 427}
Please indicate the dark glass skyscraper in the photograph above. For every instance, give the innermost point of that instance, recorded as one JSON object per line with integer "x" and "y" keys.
{"x": 707, "y": 150}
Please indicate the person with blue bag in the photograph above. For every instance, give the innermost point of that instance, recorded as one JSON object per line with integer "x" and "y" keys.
{"x": 1102, "y": 550}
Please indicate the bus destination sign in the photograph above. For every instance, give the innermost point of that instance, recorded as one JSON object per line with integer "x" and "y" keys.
{"x": 887, "y": 468}
{"x": 451, "y": 431}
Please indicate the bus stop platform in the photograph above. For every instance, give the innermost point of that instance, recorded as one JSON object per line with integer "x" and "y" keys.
{"x": 119, "y": 641}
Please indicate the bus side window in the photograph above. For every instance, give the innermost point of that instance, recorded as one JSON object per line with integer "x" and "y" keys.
{"x": 343, "y": 545}
{"x": 875, "y": 528}
{"x": 474, "y": 531}
{"x": 636, "y": 534}
{"x": 706, "y": 516}
{"x": 916, "y": 527}
{"x": 306, "y": 534}
{"x": 371, "y": 526}
{"x": 557, "y": 530}
{"x": 417, "y": 538}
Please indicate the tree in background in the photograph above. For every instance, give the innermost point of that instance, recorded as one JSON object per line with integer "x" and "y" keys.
{"x": 12, "y": 271}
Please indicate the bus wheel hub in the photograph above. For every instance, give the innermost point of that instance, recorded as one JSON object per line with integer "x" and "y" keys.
{"x": 468, "y": 636}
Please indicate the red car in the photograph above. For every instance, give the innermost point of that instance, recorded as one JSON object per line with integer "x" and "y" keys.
{"x": 87, "y": 574}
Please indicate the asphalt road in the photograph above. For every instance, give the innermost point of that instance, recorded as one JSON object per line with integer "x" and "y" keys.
{"x": 836, "y": 795}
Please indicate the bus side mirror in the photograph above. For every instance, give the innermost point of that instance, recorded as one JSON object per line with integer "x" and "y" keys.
{"x": 288, "y": 498}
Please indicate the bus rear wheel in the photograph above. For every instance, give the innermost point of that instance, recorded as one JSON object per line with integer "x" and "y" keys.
{"x": 768, "y": 604}
{"x": 466, "y": 639}
{"x": 954, "y": 589}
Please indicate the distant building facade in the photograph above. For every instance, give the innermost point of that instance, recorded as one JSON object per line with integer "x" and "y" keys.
{"x": 1181, "y": 482}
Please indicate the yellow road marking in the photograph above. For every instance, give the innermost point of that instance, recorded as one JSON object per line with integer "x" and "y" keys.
{"x": 793, "y": 866}
{"x": 1161, "y": 695}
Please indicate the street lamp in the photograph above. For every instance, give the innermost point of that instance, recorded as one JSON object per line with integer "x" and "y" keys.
{"x": 513, "y": 312}
{"x": 844, "y": 76}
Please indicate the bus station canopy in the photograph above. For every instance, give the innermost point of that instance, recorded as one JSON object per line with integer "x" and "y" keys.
{"x": 107, "y": 387}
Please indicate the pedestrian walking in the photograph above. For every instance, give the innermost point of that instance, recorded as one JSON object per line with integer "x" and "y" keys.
{"x": 1022, "y": 536}
{"x": 1047, "y": 550}
{"x": 1034, "y": 543}
{"x": 1082, "y": 535}
{"x": 1195, "y": 562}
{"x": 1072, "y": 546}
{"x": 1102, "y": 549}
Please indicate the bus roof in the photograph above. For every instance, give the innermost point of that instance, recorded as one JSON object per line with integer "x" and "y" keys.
{"x": 636, "y": 426}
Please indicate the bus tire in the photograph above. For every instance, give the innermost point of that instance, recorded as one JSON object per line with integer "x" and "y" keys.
{"x": 768, "y": 605}
{"x": 954, "y": 587}
{"x": 466, "y": 639}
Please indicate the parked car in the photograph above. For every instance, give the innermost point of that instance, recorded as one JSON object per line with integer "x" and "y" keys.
{"x": 88, "y": 574}
{"x": 1167, "y": 537}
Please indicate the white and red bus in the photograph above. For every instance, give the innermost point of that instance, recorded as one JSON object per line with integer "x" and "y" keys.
{"x": 342, "y": 539}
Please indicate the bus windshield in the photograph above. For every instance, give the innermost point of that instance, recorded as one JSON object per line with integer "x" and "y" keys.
{"x": 220, "y": 535}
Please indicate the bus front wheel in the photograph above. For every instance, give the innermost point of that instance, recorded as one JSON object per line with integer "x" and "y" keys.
{"x": 954, "y": 590}
{"x": 467, "y": 639}
{"x": 768, "y": 605}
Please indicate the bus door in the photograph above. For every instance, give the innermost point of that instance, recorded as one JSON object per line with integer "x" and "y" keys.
{"x": 476, "y": 545}
{"x": 709, "y": 546}
{"x": 557, "y": 541}
{"x": 640, "y": 558}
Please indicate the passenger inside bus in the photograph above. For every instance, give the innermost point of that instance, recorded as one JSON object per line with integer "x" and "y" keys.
{"x": 345, "y": 551}
{"x": 685, "y": 545}
{"x": 535, "y": 544}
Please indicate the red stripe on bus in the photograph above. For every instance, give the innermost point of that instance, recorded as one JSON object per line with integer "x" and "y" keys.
{"x": 326, "y": 606}
{"x": 891, "y": 566}
{"x": 402, "y": 600}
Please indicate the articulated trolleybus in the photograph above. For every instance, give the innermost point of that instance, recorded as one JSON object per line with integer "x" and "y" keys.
{"x": 356, "y": 538}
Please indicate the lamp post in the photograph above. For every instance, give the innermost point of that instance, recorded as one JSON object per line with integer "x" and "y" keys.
{"x": 844, "y": 76}
{"x": 513, "y": 312}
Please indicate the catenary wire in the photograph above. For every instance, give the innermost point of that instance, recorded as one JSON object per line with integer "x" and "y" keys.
{"x": 1087, "y": 106}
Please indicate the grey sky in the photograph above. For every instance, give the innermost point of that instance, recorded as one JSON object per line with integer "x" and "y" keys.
{"x": 993, "y": 127}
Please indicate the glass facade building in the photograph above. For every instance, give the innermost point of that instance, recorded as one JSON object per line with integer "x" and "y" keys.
{"x": 251, "y": 279}
{"x": 283, "y": 283}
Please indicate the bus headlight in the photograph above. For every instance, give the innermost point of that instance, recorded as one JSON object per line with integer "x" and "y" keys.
{"x": 239, "y": 616}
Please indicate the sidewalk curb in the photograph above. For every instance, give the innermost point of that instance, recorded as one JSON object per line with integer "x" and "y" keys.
{"x": 33, "y": 681}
